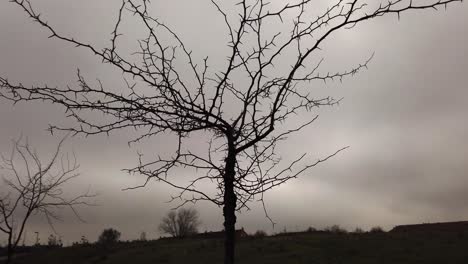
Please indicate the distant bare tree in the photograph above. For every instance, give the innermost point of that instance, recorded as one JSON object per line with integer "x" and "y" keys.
{"x": 273, "y": 57}
{"x": 32, "y": 186}
{"x": 109, "y": 236}
{"x": 143, "y": 236}
{"x": 183, "y": 223}
{"x": 54, "y": 241}
{"x": 169, "y": 224}
{"x": 336, "y": 229}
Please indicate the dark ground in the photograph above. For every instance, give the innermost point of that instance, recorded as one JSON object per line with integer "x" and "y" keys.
{"x": 330, "y": 248}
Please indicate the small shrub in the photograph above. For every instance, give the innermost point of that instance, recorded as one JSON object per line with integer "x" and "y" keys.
{"x": 84, "y": 240}
{"x": 143, "y": 236}
{"x": 52, "y": 241}
{"x": 336, "y": 229}
{"x": 260, "y": 234}
{"x": 377, "y": 229}
{"x": 358, "y": 230}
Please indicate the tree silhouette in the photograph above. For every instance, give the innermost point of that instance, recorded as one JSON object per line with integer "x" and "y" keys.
{"x": 53, "y": 241}
{"x": 109, "y": 236}
{"x": 180, "y": 224}
{"x": 240, "y": 158}
{"x": 143, "y": 236}
{"x": 33, "y": 186}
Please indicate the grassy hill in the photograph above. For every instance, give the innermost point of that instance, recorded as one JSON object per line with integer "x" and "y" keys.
{"x": 307, "y": 248}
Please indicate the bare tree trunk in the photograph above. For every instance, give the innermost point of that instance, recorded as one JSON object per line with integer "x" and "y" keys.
{"x": 229, "y": 210}
{"x": 9, "y": 257}
{"x": 9, "y": 251}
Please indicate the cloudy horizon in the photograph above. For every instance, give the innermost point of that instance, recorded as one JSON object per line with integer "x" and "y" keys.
{"x": 403, "y": 118}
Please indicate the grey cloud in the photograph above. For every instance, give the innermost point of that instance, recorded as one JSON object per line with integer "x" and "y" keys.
{"x": 404, "y": 119}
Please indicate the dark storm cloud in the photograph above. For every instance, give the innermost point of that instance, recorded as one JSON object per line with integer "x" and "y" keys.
{"x": 404, "y": 119}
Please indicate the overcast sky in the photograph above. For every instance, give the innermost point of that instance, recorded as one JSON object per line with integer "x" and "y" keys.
{"x": 404, "y": 119}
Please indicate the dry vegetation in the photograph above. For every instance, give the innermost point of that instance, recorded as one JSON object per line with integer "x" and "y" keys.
{"x": 327, "y": 247}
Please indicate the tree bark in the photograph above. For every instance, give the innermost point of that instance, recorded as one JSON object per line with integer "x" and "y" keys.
{"x": 9, "y": 254}
{"x": 229, "y": 209}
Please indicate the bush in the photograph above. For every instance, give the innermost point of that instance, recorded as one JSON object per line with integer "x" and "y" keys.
{"x": 53, "y": 241}
{"x": 143, "y": 236}
{"x": 83, "y": 242}
{"x": 336, "y": 229}
{"x": 109, "y": 236}
{"x": 260, "y": 234}
{"x": 376, "y": 229}
{"x": 358, "y": 230}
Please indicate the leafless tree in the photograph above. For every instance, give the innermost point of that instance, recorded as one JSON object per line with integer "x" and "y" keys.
{"x": 109, "y": 236}
{"x": 169, "y": 224}
{"x": 180, "y": 224}
{"x": 54, "y": 241}
{"x": 262, "y": 92}
{"x": 143, "y": 236}
{"x": 33, "y": 186}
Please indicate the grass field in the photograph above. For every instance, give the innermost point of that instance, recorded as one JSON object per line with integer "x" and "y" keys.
{"x": 307, "y": 248}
